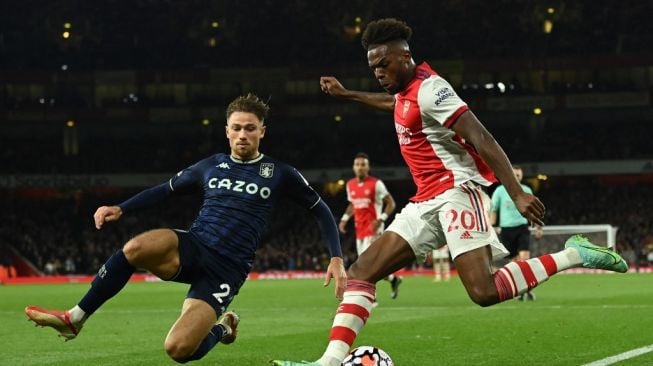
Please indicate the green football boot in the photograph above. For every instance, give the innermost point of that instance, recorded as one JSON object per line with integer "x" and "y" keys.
{"x": 594, "y": 256}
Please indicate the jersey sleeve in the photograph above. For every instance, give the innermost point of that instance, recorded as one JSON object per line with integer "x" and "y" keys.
{"x": 184, "y": 181}
{"x": 298, "y": 189}
{"x": 348, "y": 192}
{"x": 380, "y": 190}
{"x": 187, "y": 179}
{"x": 439, "y": 102}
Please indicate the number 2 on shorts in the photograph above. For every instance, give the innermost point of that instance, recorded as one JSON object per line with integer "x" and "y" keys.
{"x": 219, "y": 295}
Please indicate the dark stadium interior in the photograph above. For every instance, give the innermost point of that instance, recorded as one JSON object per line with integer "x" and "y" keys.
{"x": 140, "y": 87}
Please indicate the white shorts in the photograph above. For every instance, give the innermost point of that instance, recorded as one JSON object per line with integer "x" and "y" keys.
{"x": 364, "y": 243}
{"x": 457, "y": 217}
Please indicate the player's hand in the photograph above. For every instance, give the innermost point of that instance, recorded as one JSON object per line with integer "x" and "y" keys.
{"x": 531, "y": 208}
{"x": 106, "y": 213}
{"x": 342, "y": 226}
{"x": 336, "y": 270}
{"x": 330, "y": 85}
{"x": 376, "y": 224}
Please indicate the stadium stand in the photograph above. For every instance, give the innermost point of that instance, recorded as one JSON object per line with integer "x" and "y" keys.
{"x": 58, "y": 236}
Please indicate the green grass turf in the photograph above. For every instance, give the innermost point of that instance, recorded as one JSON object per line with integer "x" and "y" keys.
{"x": 575, "y": 320}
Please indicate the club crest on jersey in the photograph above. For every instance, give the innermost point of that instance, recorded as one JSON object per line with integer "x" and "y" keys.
{"x": 406, "y": 108}
{"x": 266, "y": 170}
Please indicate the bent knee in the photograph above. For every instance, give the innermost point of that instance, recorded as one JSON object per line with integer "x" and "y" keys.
{"x": 362, "y": 272}
{"x": 134, "y": 249}
{"x": 483, "y": 296}
{"x": 179, "y": 351}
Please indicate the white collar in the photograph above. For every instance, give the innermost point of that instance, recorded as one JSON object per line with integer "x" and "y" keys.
{"x": 251, "y": 161}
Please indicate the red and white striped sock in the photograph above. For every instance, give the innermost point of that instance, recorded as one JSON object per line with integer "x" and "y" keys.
{"x": 352, "y": 314}
{"x": 515, "y": 278}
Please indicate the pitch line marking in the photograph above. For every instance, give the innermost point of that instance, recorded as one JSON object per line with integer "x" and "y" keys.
{"x": 622, "y": 356}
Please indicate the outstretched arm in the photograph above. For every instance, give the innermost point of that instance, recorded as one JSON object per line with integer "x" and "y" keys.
{"x": 470, "y": 128}
{"x": 336, "y": 269}
{"x": 383, "y": 101}
{"x": 145, "y": 198}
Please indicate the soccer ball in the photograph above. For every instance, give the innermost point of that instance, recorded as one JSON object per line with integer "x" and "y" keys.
{"x": 367, "y": 356}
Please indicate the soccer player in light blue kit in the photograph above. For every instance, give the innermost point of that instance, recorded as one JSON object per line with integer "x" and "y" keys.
{"x": 215, "y": 256}
{"x": 513, "y": 227}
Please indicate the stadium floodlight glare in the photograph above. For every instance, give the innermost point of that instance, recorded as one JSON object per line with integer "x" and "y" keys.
{"x": 67, "y": 25}
{"x": 70, "y": 123}
{"x": 537, "y": 111}
{"x": 547, "y": 26}
{"x": 65, "y": 35}
{"x": 215, "y": 24}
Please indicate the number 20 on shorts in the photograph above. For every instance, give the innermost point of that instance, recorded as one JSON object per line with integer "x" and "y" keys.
{"x": 464, "y": 219}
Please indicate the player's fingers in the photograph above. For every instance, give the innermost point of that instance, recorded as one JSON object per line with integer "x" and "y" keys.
{"x": 327, "y": 278}
{"x": 539, "y": 206}
{"x": 97, "y": 217}
{"x": 324, "y": 84}
{"x": 535, "y": 212}
{"x": 535, "y": 221}
{"x": 340, "y": 287}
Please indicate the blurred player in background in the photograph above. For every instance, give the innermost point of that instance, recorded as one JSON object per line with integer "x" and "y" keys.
{"x": 241, "y": 190}
{"x": 370, "y": 203}
{"x": 513, "y": 227}
{"x": 441, "y": 265}
{"x": 450, "y": 155}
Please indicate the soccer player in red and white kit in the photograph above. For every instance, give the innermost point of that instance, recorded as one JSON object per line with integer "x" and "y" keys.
{"x": 451, "y": 156}
{"x": 370, "y": 204}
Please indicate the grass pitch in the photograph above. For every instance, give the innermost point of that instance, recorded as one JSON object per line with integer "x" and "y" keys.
{"x": 576, "y": 319}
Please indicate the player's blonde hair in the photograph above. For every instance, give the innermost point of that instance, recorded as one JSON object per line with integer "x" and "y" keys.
{"x": 249, "y": 103}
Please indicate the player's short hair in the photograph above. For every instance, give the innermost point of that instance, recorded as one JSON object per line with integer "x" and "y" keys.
{"x": 249, "y": 103}
{"x": 385, "y": 30}
{"x": 517, "y": 167}
{"x": 362, "y": 155}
